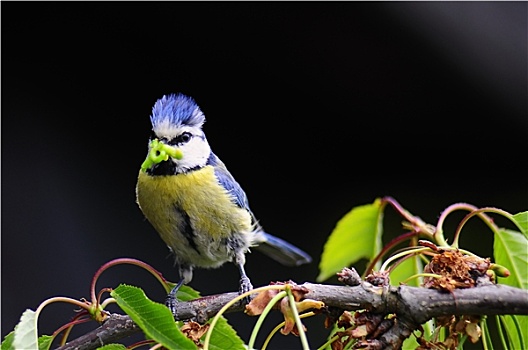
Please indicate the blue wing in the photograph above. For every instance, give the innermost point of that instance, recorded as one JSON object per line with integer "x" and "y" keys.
{"x": 274, "y": 247}
{"x": 228, "y": 181}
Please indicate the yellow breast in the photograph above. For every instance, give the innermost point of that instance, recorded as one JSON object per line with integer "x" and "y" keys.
{"x": 207, "y": 204}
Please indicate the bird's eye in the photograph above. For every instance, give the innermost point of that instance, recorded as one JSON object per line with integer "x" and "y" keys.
{"x": 183, "y": 138}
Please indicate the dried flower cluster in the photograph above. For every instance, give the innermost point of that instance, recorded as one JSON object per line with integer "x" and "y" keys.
{"x": 362, "y": 328}
{"x": 455, "y": 270}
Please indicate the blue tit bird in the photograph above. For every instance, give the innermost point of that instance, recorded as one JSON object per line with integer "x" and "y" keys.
{"x": 186, "y": 192}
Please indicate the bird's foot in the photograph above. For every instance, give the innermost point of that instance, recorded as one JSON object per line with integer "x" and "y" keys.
{"x": 245, "y": 286}
{"x": 171, "y": 303}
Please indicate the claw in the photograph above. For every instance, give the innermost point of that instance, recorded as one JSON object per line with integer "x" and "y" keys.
{"x": 245, "y": 286}
{"x": 171, "y": 301}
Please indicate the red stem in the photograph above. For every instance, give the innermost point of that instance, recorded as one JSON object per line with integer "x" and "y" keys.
{"x": 395, "y": 241}
{"x": 131, "y": 261}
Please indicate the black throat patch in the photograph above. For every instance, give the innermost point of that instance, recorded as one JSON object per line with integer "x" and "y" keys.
{"x": 167, "y": 167}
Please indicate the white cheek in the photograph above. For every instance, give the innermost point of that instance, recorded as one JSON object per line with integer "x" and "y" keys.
{"x": 195, "y": 154}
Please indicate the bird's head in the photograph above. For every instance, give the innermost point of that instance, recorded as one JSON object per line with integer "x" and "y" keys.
{"x": 177, "y": 143}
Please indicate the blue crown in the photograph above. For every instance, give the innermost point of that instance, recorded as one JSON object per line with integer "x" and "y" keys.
{"x": 178, "y": 109}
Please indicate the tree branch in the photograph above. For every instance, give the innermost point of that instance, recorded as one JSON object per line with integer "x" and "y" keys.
{"x": 413, "y": 306}
{"x": 116, "y": 327}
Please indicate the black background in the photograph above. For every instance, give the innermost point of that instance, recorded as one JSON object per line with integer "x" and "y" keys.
{"x": 314, "y": 107}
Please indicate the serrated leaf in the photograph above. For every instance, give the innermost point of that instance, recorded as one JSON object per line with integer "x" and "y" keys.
{"x": 522, "y": 220}
{"x": 26, "y": 336}
{"x": 225, "y": 337}
{"x": 153, "y": 318}
{"x": 357, "y": 235}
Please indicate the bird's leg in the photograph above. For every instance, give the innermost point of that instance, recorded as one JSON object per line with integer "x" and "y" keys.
{"x": 171, "y": 300}
{"x": 245, "y": 283}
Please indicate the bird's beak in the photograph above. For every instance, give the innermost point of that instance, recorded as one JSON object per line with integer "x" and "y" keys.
{"x": 160, "y": 152}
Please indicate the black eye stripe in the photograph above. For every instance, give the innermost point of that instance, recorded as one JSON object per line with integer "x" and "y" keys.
{"x": 183, "y": 138}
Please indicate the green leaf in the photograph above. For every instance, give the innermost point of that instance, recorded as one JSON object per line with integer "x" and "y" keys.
{"x": 44, "y": 342}
{"x": 225, "y": 337}
{"x": 510, "y": 249}
{"x": 515, "y": 327}
{"x": 186, "y": 293}
{"x": 26, "y": 336}
{"x": 410, "y": 343}
{"x": 7, "y": 344}
{"x": 357, "y": 235}
{"x": 407, "y": 268}
{"x": 522, "y": 221}
{"x": 154, "y": 319}
{"x": 486, "y": 336}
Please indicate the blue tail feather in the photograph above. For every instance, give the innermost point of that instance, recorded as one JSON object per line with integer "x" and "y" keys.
{"x": 282, "y": 251}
